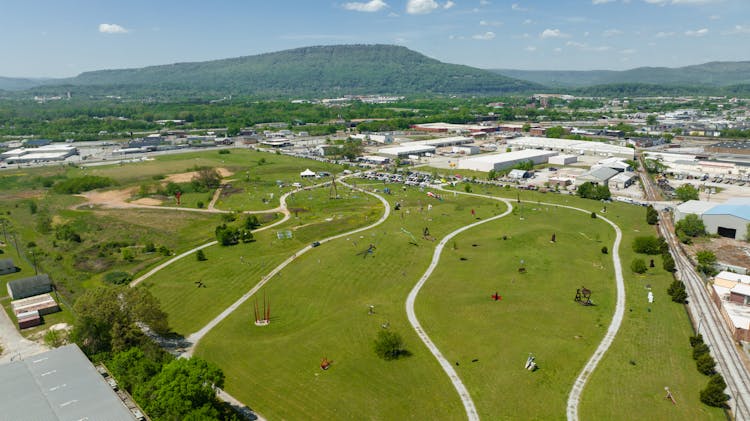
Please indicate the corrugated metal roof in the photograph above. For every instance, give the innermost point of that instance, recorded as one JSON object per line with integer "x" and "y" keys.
{"x": 27, "y": 287}
{"x": 697, "y": 207}
{"x": 740, "y": 211}
{"x": 60, "y": 384}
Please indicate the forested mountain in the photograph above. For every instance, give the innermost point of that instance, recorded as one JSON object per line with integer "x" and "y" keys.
{"x": 19, "y": 84}
{"x": 714, "y": 74}
{"x": 325, "y": 70}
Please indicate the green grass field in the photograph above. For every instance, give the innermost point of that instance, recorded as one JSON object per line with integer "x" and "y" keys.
{"x": 537, "y": 313}
{"x": 320, "y": 309}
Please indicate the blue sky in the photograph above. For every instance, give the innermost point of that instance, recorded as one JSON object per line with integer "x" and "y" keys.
{"x": 65, "y": 37}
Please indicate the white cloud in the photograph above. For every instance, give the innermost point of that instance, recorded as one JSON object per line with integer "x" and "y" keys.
{"x": 530, "y": 48}
{"x": 662, "y": 34}
{"x": 112, "y": 28}
{"x": 528, "y": 22}
{"x": 553, "y": 33}
{"x": 601, "y": 1}
{"x": 678, "y": 2}
{"x": 489, "y": 35}
{"x": 738, "y": 29}
{"x": 611, "y": 33}
{"x": 629, "y": 51}
{"x": 585, "y": 47}
{"x": 484, "y": 2}
{"x": 517, "y": 7}
{"x": 558, "y": 50}
{"x": 421, "y": 7}
{"x": 714, "y": 17}
{"x": 448, "y": 4}
{"x": 370, "y": 6}
{"x": 490, "y": 23}
{"x": 697, "y": 33}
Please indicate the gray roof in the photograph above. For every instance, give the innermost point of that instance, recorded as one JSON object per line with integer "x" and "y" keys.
{"x": 28, "y": 287}
{"x": 7, "y": 265}
{"x": 696, "y": 207}
{"x": 60, "y": 384}
{"x": 601, "y": 174}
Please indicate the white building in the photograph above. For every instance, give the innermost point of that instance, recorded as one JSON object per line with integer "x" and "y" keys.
{"x": 504, "y": 160}
{"x": 577, "y": 147}
{"x": 563, "y": 159}
{"x": 622, "y": 180}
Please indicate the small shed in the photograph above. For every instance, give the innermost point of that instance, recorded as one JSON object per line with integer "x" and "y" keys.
{"x": 7, "y": 266}
{"x": 29, "y": 287}
{"x": 307, "y": 174}
{"x": 29, "y": 319}
{"x": 43, "y": 303}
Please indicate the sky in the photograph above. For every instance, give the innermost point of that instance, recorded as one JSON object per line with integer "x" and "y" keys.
{"x": 61, "y": 38}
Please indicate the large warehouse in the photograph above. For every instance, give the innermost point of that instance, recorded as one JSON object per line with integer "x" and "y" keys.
{"x": 504, "y": 160}
{"x": 729, "y": 219}
{"x": 577, "y": 147}
{"x": 60, "y": 384}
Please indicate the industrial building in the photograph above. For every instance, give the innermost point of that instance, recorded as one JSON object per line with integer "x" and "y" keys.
{"x": 577, "y": 147}
{"x": 731, "y": 294}
{"x": 730, "y": 147}
{"x": 563, "y": 159}
{"x": 600, "y": 176}
{"x": 622, "y": 180}
{"x": 729, "y": 219}
{"x": 54, "y": 152}
{"x": 423, "y": 147}
{"x": 504, "y": 160}
{"x": 453, "y": 128}
{"x": 60, "y": 384}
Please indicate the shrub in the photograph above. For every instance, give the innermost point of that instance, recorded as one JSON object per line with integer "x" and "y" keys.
{"x": 706, "y": 260}
{"x": 604, "y": 250}
{"x": 227, "y": 236}
{"x": 638, "y": 266}
{"x": 652, "y": 216}
{"x": 127, "y": 255}
{"x": 200, "y": 256}
{"x": 699, "y": 349}
{"x": 118, "y": 278}
{"x": 647, "y": 245}
{"x": 677, "y": 291}
{"x": 149, "y": 247}
{"x": 695, "y": 340}
{"x": 164, "y": 251}
{"x": 706, "y": 364}
{"x": 199, "y": 205}
{"x": 593, "y": 215}
{"x": 224, "y": 152}
{"x": 667, "y": 262}
{"x": 467, "y": 188}
{"x": 691, "y": 225}
{"x": 389, "y": 345}
{"x": 713, "y": 394}
{"x": 82, "y": 184}
{"x": 251, "y": 222}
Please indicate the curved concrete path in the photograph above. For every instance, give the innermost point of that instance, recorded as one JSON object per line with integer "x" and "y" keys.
{"x": 195, "y": 337}
{"x": 471, "y": 410}
{"x": 614, "y": 326}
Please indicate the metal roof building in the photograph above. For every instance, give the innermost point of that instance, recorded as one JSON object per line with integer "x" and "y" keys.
{"x": 499, "y": 161}
{"x": 728, "y": 220}
{"x": 28, "y": 287}
{"x": 692, "y": 207}
{"x": 578, "y": 147}
{"x": 7, "y": 266}
{"x": 60, "y": 384}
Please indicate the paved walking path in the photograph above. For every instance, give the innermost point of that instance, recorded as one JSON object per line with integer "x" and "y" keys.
{"x": 195, "y": 337}
{"x": 463, "y": 393}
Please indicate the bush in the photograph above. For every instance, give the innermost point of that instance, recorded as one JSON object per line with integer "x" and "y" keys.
{"x": 604, "y": 250}
{"x": 149, "y": 247}
{"x": 706, "y": 364}
{"x": 224, "y": 152}
{"x": 713, "y": 394}
{"x": 647, "y": 245}
{"x": 652, "y": 216}
{"x": 638, "y": 266}
{"x": 199, "y": 205}
{"x": 695, "y": 340}
{"x": 699, "y": 349}
{"x": 589, "y": 190}
{"x": 467, "y": 188}
{"x": 118, "y": 278}
{"x": 706, "y": 261}
{"x": 684, "y": 238}
{"x": 667, "y": 262}
{"x": 82, "y": 184}
{"x": 677, "y": 291}
{"x": 389, "y": 345}
{"x": 251, "y": 222}
{"x": 227, "y": 236}
{"x": 200, "y": 256}
{"x": 127, "y": 255}
{"x": 164, "y": 251}
{"x": 691, "y": 225}
{"x": 593, "y": 215}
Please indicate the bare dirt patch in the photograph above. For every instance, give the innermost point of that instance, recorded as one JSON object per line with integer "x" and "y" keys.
{"x": 726, "y": 250}
{"x": 148, "y": 201}
{"x": 188, "y": 176}
{"x": 110, "y": 198}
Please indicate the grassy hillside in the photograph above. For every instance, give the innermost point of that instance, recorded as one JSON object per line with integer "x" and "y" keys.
{"x": 329, "y": 70}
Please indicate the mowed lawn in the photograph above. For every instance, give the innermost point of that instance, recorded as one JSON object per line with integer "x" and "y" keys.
{"x": 489, "y": 341}
{"x": 651, "y": 350}
{"x": 231, "y": 271}
{"x": 320, "y": 309}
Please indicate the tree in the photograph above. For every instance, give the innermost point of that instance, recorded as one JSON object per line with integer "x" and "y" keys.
{"x": 648, "y": 244}
{"x": 677, "y": 291}
{"x": 652, "y": 216}
{"x": 651, "y": 120}
{"x": 604, "y": 250}
{"x": 132, "y": 368}
{"x": 251, "y": 222}
{"x": 555, "y": 132}
{"x": 638, "y": 266}
{"x": 706, "y": 364}
{"x": 117, "y": 278}
{"x": 589, "y": 190}
{"x": 593, "y": 215}
{"x": 526, "y": 127}
{"x": 713, "y": 394}
{"x": 107, "y": 318}
{"x": 491, "y": 174}
{"x": 227, "y": 236}
{"x": 667, "y": 262}
{"x": 686, "y": 192}
{"x": 389, "y": 345}
{"x": 706, "y": 261}
{"x": 207, "y": 178}
{"x": 246, "y": 236}
{"x": 200, "y": 256}
{"x": 181, "y": 388}
{"x": 691, "y": 225}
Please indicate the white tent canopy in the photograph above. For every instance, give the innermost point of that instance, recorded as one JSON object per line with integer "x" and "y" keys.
{"x": 307, "y": 173}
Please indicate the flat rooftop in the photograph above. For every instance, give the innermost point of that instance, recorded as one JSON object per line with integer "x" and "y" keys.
{"x": 510, "y": 156}
{"x": 60, "y": 384}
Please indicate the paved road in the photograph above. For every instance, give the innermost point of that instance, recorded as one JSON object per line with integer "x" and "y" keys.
{"x": 195, "y": 337}
{"x": 15, "y": 346}
{"x": 463, "y": 393}
{"x": 712, "y": 326}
